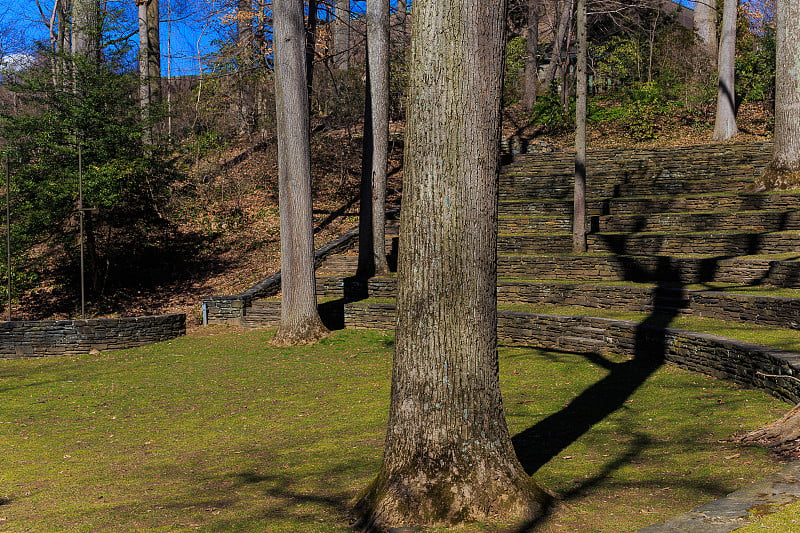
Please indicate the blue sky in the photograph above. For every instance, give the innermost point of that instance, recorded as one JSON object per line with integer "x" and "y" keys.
{"x": 21, "y": 23}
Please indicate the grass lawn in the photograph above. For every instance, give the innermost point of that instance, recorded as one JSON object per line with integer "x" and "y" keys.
{"x": 225, "y": 433}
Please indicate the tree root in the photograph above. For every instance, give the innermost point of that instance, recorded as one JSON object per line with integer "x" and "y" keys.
{"x": 309, "y": 332}
{"x": 776, "y": 179}
{"x": 781, "y": 436}
{"x": 428, "y": 499}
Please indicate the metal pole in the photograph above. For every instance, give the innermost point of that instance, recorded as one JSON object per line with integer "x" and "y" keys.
{"x": 80, "y": 210}
{"x": 8, "y": 234}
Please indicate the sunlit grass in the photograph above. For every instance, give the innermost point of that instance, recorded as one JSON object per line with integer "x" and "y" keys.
{"x": 227, "y": 433}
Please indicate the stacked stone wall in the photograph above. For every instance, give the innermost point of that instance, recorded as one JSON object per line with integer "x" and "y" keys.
{"x": 71, "y": 337}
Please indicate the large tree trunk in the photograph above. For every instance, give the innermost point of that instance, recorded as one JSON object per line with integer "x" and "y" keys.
{"x": 783, "y": 172}
{"x": 300, "y": 321}
{"x": 559, "y": 44}
{"x": 448, "y": 457}
{"x": 725, "y": 123}
{"x": 341, "y": 35}
{"x": 531, "y": 59}
{"x": 705, "y": 26}
{"x": 86, "y": 29}
{"x": 582, "y": 83}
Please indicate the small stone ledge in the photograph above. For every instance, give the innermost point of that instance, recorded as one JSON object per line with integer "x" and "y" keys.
{"x": 72, "y": 337}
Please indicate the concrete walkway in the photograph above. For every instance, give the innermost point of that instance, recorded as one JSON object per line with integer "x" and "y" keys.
{"x": 739, "y": 508}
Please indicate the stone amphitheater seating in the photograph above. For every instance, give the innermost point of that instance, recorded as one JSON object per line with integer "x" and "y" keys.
{"x": 658, "y": 221}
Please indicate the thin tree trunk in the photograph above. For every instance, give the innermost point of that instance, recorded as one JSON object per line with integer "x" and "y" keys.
{"x": 366, "y": 237}
{"x": 244, "y": 43}
{"x": 705, "y": 26}
{"x": 448, "y": 456}
{"x": 558, "y": 44}
{"x": 378, "y": 66}
{"x": 725, "y": 123}
{"x": 311, "y": 46}
{"x": 783, "y": 172}
{"x": 582, "y": 83}
{"x": 341, "y": 35}
{"x": 531, "y": 60}
{"x": 300, "y": 321}
{"x": 149, "y": 63}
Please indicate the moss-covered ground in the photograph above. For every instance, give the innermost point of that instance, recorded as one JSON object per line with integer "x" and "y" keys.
{"x": 224, "y": 432}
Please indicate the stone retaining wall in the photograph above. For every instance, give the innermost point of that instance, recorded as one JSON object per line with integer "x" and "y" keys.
{"x": 70, "y": 337}
{"x": 746, "y": 364}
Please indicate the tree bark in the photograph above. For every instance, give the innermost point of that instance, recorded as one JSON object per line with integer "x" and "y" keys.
{"x": 244, "y": 43}
{"x": 783, "y": 172}
{"x": 149, "y": 62}
{"x": 378, "y": 67}
{"x": 725, "y": 123}
{"x": 558, "y": 44}
{"x": 705, "y": 26}
{"x": 448, "y": 457}
{"x": 300, "y": 321}
{"x": 531, "y": 59}
{"x": 86, "y": 29}
{"x": 341, "y": 35}
{"x": 582, "y": 85}
{"x": 311, "y": 45}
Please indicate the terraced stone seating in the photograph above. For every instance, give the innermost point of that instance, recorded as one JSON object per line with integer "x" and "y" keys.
{"x": 671, "y": 233}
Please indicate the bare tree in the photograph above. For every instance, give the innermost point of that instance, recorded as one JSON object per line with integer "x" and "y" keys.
{"x": 582, "y": 82}
{"x": 300, "y": 321}
{"x": 372, "y": 219}
{"x": 725, "y": 123}
{"x": 783, "y": 172}
{"x": 311, "y": 44}
{"x": 448, "y": 456}
{"x": 705, "y": 25}
{"x": 341, "y": 35}
{"x": 149, "y": 61}
{"x": 531, "y": 59}
{"x": 244, "y": 50}
{"x": 559, "y": 44}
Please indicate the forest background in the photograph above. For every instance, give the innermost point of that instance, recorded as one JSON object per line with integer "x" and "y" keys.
{"x": 193, "y": 211}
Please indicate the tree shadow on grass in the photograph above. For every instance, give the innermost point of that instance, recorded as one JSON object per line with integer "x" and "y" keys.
{"x": 270, "y": 498}
{"x": 543, "y": 441}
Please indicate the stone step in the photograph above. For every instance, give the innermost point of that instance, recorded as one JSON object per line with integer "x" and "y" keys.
{"x": 760, "y": 221}
{"x": 686, "y": 271}
{"x": 555, "y": 189}
{"x": 637, "y": 163}
{"x": 711, "y": 243}
{"x": 536, "y": 206}
{"x": 679, "y": 270}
